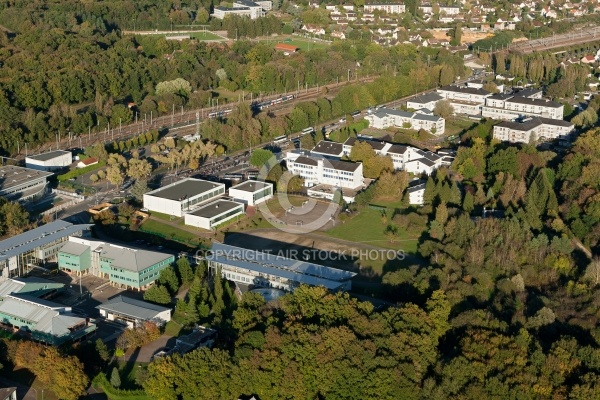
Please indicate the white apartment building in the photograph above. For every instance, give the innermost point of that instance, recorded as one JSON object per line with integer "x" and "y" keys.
{"x": 390, "y": 8}
{"x": 386, "y": 118}
{"x": 508, "y": 107}
{"x": 319, "y": 170}
{"x": 464, "y": 99}
{"x": 426, "y": 101}
{"x": 532, "y": 129}
{"x": 416, "y": 193}
{"x": 449, "y": 10}
{"x": 244, "y": 8}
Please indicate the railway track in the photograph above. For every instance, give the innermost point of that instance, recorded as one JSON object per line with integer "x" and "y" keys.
{"x": 564, "y": 40}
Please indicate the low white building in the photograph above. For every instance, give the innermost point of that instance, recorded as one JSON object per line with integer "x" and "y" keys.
{"x": 532, "y": 129}
{"x": 50, "y": 161}
{"x": 214, "y": 214}
{"x": 258, "y": 269}
{"x": 220, "y": 12}
{"x": 449, "y": 10}
{"x": 183, "y": 196}
{"x": 464, "y": 99}
{"x": 390, "y": 8}
{"x": 245, "y": 8}
{"x": 415, "y": 194}
{"x": 427, "y": 101}
{"x": 251, "y": 193}
{"x": 386, "y": 118}
{"x": 134, "y": 312}
{"x": 319, "y": 170}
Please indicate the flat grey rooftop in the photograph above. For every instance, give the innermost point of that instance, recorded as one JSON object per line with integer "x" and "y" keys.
{"x": 216, "y": 208}
{"x": 132, "y": 308}
{"x": 252, "y": 186}
{"x": 11, "y": 176}
{"x": 50, "y": 155}
{"x": 185, "y": 189}
{"x": 329, "y": 148}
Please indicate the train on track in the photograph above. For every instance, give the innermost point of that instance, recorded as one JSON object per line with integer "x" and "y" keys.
{"x": 257, "y": 106}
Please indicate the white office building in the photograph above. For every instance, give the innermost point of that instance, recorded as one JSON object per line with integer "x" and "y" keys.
{"x": 183, "y": 196}
{"x": 258, "y": 269}
{"x": 532, "y": 130}
{"x": 386, "y": 118}
{"x": 390, "y": 8}
{"x": 50, "y": 161}
{"x": 251, "y": 193}
{"x": 319, "y": 170}
{"x": 245, "y": 8}
{"x": 215, "y": 213}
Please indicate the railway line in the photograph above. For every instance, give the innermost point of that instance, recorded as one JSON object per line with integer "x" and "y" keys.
{"x": 590, "y": 34}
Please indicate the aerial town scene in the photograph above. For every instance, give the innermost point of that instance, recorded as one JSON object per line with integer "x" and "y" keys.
{"x": 280, "y": 199}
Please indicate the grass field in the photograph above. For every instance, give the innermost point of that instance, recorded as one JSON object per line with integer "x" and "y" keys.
{"x": 366, "y": 227}
{"x": 206, "y": 36}
{"x": 304, "y": 44}
{"x": 168, "y": 231}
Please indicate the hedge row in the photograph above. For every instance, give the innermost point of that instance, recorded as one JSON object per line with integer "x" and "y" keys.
{"x": 101, "y": 382}
{"x": 80, "y": 171}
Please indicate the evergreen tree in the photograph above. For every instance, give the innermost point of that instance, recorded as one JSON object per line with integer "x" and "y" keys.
{"x": 184, "y": 270}
{"x": 168, "y": 278}
{"x": 430, "y": 191}
{"x": 468, "y": 202}
{"x": 102, "y": 350}
{"x": 115, "y": 378}
{"x": 455, "y": 195}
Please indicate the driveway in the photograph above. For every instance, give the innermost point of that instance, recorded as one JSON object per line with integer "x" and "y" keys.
{"x": 145, "y": 353}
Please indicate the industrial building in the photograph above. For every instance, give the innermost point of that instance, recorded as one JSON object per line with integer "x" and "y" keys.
{"x": 258, "y": 269}
{"x": 42, "y": 320}
{"x": 214, "y": 214}
{"x": 50, "y": 161}
{"x": 22, "y": 184}
{"x": 183, "y": 196}
{"x": 134, "y": 312}
{"x": 20, "y": 253}
{"x": 251, "y": 193}
{"x": 124, "y": 267}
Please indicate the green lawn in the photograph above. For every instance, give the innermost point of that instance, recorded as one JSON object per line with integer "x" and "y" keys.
{"x": 367, "y": 227}
{"x": 172, "y": 328}
{"x": 206, "y": 36}
{"x": 455, "y": 126}
{"x": 169, "y": 232}
{"x": 305, "y": 45}
{"x": 164, "y": 217}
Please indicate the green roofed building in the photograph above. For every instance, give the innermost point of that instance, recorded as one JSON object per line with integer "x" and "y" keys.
{"x": 124, "y": 267}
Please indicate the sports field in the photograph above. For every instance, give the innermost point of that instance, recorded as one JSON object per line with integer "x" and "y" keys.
{"x": 304, "y": 44}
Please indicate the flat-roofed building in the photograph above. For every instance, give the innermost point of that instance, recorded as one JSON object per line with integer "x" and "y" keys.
{"x": 50, "y": 161}
{"x": 258, "y": 269}
{"x": 532, "y": 130}
{"x": 214, "y": 214}
{"x": 251, "y": 193}
{"x": 43, "y": 320}
{"x": 390, "y": 8}
{"x": 134, "y": 312}
{"x": 18, "y": 254}
{"x": 183, "y": 196}
{"x": 22, "y": 184}
{"x": 221, "y": 12}
{"x": 124, "y": 267}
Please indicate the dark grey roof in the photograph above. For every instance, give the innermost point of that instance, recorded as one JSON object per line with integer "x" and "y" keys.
{"x": 50, "y": 155}
{"x": 426, "y": 161}
{"x": 397, "y": 149}
{"x": 129, "y": 307}
{"x": 350, "y": 141}
{"x": 342, "y": 165}
{"x": 527, "y": 92}
{"x": 427, "y": 98}
{"x": 246, "y": 3}
{"x": 186, "y": 188}
{"x": 464, "y": 89}
{"x": 500, "y": 96}
{"x": 398, "y": 113}
{"x": 327, "y": 147}
{"x": 231, "y": 8}
{"x": 534, "y": 102}
{"x": 38, "y": 237}
{"x": 216, "y": 208}
{"x": 425, "y": 117}
{"x": 252, "y": 186}
{"x": 306, "y": 161}
{"x": 531, "y": 123}
{"x": 416, "y": 188}
{"x": 557, "y": 122}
